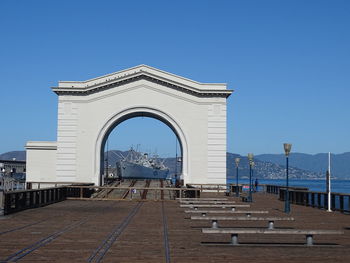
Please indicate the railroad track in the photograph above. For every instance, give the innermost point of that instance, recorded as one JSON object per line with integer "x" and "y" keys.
{"x": 106, "y": 244}
{"x": 105, "y": 192}
{"x": 111, "y": 190}
{"x": 165, "y": 235}
{"x": 14, "y": 257}
{"x": 144, "y": 193}
{"x": 30, "y": 224}
{"x": 22, "y": 227}
{"x": 133, "y": 182}
{"x": 29, "y": 249}
{"x": 161, "y": 191}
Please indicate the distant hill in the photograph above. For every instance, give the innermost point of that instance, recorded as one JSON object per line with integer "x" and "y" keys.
{"x": 267, "y": 166}
{"x": 318, "y": 163}
{"x": 265, "y": 170}
{"x": 19, "y": 155}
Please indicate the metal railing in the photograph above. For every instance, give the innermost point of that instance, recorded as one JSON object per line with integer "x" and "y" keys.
{"x": 134, "y": 193}
{"x": 275, "y": 189}
{"x": 39, "y": 185}
{"x": 339, "y": 201}
{"x": 14, "y": 201}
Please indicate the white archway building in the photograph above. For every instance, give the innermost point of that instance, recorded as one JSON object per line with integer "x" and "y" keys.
{"x": 89, "y": 110}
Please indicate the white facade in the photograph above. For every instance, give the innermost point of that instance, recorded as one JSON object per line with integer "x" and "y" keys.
{"x": 89, "y": 110}
{"x": 41, "y": 157}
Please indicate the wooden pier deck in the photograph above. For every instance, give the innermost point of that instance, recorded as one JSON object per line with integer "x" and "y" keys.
{"x": 156, "y": 231}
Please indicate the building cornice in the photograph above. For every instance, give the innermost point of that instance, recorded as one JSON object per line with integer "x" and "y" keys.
{"x": 41, "y": 145}
{"x": 141, "y": 73}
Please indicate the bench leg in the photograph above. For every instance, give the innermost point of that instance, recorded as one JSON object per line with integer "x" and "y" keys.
{"x": 234, "y": 239}
{"x": 309, "y": 240}
{"x": 271, "y": 225}
{"x": 233, "y": 209}
{"x": 214, "y": 224}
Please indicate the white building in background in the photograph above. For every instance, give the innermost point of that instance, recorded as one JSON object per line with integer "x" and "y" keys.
{"x": 89, "y": 110}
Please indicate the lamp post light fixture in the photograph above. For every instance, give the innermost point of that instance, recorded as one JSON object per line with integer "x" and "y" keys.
{"x": 250, "y": 158}
{"x": 237, "y": 164}
{"x": 287, "y": 148}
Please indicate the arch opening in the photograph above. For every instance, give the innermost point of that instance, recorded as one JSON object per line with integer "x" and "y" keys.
{"x": 126, "y": 115}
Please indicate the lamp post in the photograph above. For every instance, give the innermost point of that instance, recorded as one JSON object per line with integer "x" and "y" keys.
{"x": 2, "y": 167}
{"x": 253, "y": 164}
{"x": 287, "y": 148}
{"x": 250, "y": 158}
{"x": 237, "y": 164}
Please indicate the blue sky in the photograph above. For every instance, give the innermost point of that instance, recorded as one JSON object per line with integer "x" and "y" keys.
{"x": 288, "y": 62}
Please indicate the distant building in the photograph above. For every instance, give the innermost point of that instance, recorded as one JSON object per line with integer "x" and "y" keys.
{"x": 11, "y": 167}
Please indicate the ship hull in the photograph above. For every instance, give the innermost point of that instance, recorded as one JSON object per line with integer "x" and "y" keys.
{"x": 136, "y": 171}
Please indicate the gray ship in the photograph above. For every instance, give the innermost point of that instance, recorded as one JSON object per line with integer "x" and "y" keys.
{"x": 140, "y": 166}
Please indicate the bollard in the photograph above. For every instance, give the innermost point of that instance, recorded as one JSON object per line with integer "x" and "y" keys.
{"x": 214, "y": 224}
{"x": 271, "y": 225}
{"x": 234, "y": 239}
{"x": 233, "y": 209}
{"x": 309, "y": 240}
{"x": 248, "y": 214}
{"x": 204, "y": 214}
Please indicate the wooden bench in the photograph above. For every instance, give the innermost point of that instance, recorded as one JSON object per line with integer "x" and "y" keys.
{"x": 202, "y": 199}
{"x": 208, "y": 202}
{"x": 233, "y": 207}
{"x": 247, "y": 213}
{"x": 215, "y": 219}
{"x": 236, "y": 231}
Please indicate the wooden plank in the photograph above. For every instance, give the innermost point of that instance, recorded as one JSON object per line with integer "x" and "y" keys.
{"x": 143, "y": 239}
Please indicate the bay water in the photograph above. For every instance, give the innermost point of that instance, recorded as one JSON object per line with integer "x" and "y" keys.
{"x": 337, "y": 186}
